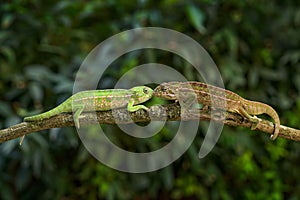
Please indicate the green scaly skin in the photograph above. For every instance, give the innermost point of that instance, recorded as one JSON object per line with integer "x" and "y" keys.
{"x": 205, "y": 93}
{"x": 99, "y": 100}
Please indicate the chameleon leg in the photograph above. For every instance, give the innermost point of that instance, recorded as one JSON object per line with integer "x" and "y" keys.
{"x": 131, "y": 107}
{"x": 77, "y": 112}
{"x": 253, "y": 119}
{"x": 188, "y": 100}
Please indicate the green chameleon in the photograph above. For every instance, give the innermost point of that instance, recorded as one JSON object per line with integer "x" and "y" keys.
{"x": 99, "y": 100}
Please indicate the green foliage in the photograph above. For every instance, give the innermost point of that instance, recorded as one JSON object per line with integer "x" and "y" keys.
{"x": 254, "y": 43}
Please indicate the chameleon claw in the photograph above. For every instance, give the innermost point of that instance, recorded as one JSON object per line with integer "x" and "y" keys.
{"x": 254, "y": 126}
{"x": 255, "y": 121}
{"x": 145, "y": 108}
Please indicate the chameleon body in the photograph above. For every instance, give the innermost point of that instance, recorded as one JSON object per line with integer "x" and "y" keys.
{"x": 206, "y": 93}
{"x": 99, "y": 100}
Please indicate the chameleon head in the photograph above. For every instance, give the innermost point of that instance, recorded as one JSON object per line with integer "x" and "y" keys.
{"x": 166, "y": 90}
{"x": 142, "y": 93}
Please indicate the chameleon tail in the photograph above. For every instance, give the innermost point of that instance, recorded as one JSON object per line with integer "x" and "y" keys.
{"x": 276, "y": 119}
{"x": 64, "y": 107}
{"x": 273, "y": 114}
{"x": 257, "y": 108}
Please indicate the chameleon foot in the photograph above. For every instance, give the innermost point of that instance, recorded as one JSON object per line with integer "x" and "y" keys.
{"x": 77, "y": 112}
{"x": 255, "y": 121}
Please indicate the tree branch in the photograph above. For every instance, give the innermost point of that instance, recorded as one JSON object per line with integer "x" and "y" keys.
{"x": 170, "y": 112}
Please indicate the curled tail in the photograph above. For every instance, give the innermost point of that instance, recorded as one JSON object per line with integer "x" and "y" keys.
{"x": 272, "y": 113}
{"x": 257, "y": 108}
{"x": 64, "y": 107}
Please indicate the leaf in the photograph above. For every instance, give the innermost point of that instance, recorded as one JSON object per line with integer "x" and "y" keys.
{"x": 37, "y": 72}
{"x": 36, "y": 91}
{"x": 7, "y": 20}
{"x": 5, "y": 109}
{"x": 9, "y": 146}
{"x": 196, "y": 18}
{"x": 8, "y": 53}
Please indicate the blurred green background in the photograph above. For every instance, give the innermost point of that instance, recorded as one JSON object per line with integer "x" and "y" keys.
{"x": 255, "y": 45}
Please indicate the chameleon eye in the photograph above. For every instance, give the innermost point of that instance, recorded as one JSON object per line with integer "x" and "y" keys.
{"x": 163, "y": 88}
{"x": 145, "y": 90}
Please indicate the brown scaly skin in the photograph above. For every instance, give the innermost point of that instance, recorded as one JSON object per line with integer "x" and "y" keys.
{"x": 219, "y": 98}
